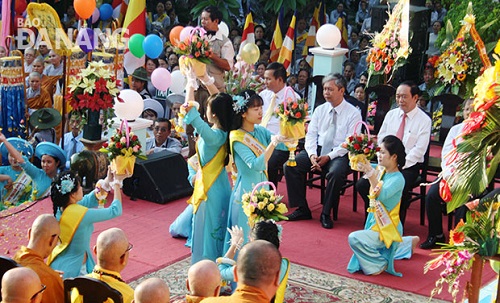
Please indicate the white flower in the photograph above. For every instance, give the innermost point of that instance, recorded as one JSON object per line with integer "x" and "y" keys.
{"x": 87, "y": 85}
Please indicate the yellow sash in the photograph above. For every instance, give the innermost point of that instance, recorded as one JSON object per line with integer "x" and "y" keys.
{"x": 248, "y": 140}
{"x": 69, "y": 222}
{"x": 280, "y": 293}
{"x": 301, "y": 38}
{"x": 209, "y": 173}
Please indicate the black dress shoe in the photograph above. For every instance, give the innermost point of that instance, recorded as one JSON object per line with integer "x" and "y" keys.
{"x": 299, "y": 215}
{"x": 432, "y": 241}
{"x": 326, "y": 221}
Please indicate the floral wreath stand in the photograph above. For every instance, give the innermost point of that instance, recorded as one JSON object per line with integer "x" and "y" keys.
{"x": 474, "y": 285}
{"x": 291, "y": 131}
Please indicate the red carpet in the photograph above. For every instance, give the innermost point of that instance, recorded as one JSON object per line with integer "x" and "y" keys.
{"x": 304, "y": 242}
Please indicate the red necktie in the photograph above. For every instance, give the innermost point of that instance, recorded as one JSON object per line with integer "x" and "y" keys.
{"x": 401, "y": 130}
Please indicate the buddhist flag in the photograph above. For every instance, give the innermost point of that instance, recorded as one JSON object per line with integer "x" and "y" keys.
{"x": 277, "y": 41}
{"x": 343, "y": 32}
{"x": 123, "y": 10}
{"x": 288, "y": 46}
{"x": 311, "y": 36}
{"x": 135, "y": 23}
{"x": 248, "y": 32}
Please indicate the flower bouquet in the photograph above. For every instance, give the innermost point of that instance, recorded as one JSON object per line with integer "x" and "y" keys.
{"x": 391, "y": 47}
{"x": 194, "y": 50}
{"x": 241, "y": 78}
{"x": 479, "y": 235}
{"x": 263, "y": 204}
{"x": 361, "y": 147}
{"x": 370, "y": 114}
{"x": 122, "y": 149}
{"x": 92, "y": 91}
{"x": 437, "y": 119}
{"x": 292, "y": 113}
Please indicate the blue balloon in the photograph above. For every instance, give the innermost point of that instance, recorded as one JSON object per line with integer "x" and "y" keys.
{"x": 85, "y": 40}
{"x": 153, "y": 46}
{"x": 106, "y": 11}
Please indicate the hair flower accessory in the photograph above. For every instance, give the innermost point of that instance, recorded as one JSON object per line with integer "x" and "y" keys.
{"x": 240, "y": 104}
{"x": 66, "y": 186}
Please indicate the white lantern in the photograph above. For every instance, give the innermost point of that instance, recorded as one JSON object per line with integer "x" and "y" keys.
{"x": 130, "y": 105}
{"x": 328, "y": 36}
{"x": 224, "y": 29}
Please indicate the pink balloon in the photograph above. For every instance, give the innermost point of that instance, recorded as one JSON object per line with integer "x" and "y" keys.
{"x": 185, "y": 33}
{"x": 96, "y": 15}
{"x": 161, "y": 78}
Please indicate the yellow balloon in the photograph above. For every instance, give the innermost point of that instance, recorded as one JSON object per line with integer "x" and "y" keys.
{"x": 250, "y": 53}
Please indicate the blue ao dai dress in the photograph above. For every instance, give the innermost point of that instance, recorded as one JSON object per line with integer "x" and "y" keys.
{"x": 370, "y": 254}
{"x": 209, "y": 221}
{"x": 251, "y": 171}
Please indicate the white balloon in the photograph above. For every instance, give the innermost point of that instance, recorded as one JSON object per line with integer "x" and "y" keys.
{"x": 116, "y": 11}
{"x": 328, "y": 36}
{"x": 131, "y": 107}
{"x": 178, "y": 82}
{"x": 224, "y": 29}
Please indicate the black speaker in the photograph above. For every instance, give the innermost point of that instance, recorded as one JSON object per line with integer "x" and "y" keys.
{"x": 160, "y": 178}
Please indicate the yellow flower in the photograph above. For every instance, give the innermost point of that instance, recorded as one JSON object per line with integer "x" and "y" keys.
{"x": 272, "y": 198}
{"x": 254, "y": 199}
{"x": 245, "y": 197}
{"x": 270, "y": 207}
{"x": 87, "y": 85}
{"x": 281, "y": 208}
{"x": 452, "y": 60}
{"x": 261, "y": 205}
{"x": 251, "y": 208}
{"x": 265, "y": 201}
{"x": 262, "y": 190}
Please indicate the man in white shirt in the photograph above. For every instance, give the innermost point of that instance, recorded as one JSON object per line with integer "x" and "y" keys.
{"x": 273, "y": 95}
{"x": 72, "y": 143}
{"x": 413, "y": 126}
{"x": 330, "y": 124}
{"x": 162, "y": 140}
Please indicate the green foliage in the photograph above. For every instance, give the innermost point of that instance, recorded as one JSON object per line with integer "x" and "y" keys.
{"x": 225, "y": 6}
{"x": 274, "y": 6}
{"x": 486, "y": 12}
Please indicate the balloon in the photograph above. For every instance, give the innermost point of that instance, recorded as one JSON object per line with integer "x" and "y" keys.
{"x": 116, "y": 11}
{"x": 95, "y": 15}
{"x": 20, "y": 6}
{"x": 84, "y": 8}
{"x": 106, "y": 11}
{"x": 161, "y": 78}
{"x": 185, "y": 33}
{"x": 328, "y": 36}
{"x": 135, "y": 45}
{"x": 178, "y": 82}
{"x": 224, "y": 29}
{"x": 250, "y": 53}
{"x": 174, "y": 34}
{"x": 131, "y": 107}
{"x": 153, "y": 46}
{"x": 85, "y": 40}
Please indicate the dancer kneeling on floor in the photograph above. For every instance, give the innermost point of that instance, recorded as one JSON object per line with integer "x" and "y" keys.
{"x": 380, "y": 243}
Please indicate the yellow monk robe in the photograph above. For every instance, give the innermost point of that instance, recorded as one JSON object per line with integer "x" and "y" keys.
{"x": 43, "y": 100}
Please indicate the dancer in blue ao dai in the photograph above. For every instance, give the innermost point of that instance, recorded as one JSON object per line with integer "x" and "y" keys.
{"x": 371, "y": 254}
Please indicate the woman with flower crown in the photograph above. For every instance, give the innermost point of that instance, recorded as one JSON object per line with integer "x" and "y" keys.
{"x": 212, "y": 190}
{"x": 77, "y": 214}
{"x": 251, "y": 146}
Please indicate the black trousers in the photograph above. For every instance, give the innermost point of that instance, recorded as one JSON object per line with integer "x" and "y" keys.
{"x": 336, "y": 174}
{"x": 277, "y": 160}
{"x": 410, "y": 174}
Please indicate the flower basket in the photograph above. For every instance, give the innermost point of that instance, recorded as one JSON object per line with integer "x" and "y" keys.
{"x": 196, "y": 47}
{"x": 197, "y": 66}
{"x": 361, "y": 147}
{"x": 263, "y": 204}
{"x": 292, "y": 114}
{"x": 122, "y": 149}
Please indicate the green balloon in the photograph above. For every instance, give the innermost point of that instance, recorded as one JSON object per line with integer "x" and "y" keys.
{"x": 135, "y": 45}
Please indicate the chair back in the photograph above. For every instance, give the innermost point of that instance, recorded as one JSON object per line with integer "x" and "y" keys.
{"x": 318, "y": 81}
{"x": 383, "y": 94}
{"x": 91, "y": 290}
{"x": 449, "y": 104}
{"x": 5, "y": 265}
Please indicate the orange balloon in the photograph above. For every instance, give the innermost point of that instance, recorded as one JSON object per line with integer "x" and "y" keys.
{"x": 175, "y": 34}
{"x": 84, "y": 8}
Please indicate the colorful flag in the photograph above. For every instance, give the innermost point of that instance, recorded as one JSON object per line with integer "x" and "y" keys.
{"x": 123, "y": 10}
{"x": 343, "y": 32}
{"x": 248, "y": 32}
{"x": 311, "y": 36}
{"x": 286, "y": 51}
{"x": 135, "y": 23}
{"x": 277, "y": 41}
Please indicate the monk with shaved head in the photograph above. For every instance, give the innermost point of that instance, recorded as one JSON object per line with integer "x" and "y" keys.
{"x": 152, "y": 290}
{"x": 21, "y": 285}
{"x": 203, "y": 281}
{"x": 43, "y": 237}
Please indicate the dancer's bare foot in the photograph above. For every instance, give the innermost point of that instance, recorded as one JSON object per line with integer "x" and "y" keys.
{"x": 414, "y": 242}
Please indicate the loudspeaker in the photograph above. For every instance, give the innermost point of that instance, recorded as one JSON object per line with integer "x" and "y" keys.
{"x": 160, "y": 178}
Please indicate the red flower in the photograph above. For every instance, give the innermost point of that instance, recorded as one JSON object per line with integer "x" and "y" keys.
{"x": 298, "y": 115}
{"x": 294, "y": 105}
{"x": 366, "y": 150}
{"x": 197, "y": 54}
{"x": 198, "y": 44}
{"x": 357, "y": 146}
{"x": 118, "y": 145}
{"x": 350, "y": 139}
{"x": 473, "y": 123}
{"x": 458, "y": 237}
{"x": 486, "y": 106}
{"x": 134, "y": 138}
{"x": 105, "y": 145}
{"x": 378, "y": 66}
{"x": 360, "y": 139}
{"x": 444, "y": 191}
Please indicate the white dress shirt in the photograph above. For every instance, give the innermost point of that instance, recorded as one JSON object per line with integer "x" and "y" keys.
{"x": 68, "y": 146}
{"x": 274, "y": 123}
{"x": 347, "y": 117}
{"x": 171, "y": 144}
{"x": 417, "y": 132}
{"x": 454, "y": 133}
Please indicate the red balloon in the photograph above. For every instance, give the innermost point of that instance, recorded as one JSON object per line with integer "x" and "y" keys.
{"x": 20, "y": 6}
{"x": 175, "y": 34}
{"x": 84, "y": 8}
